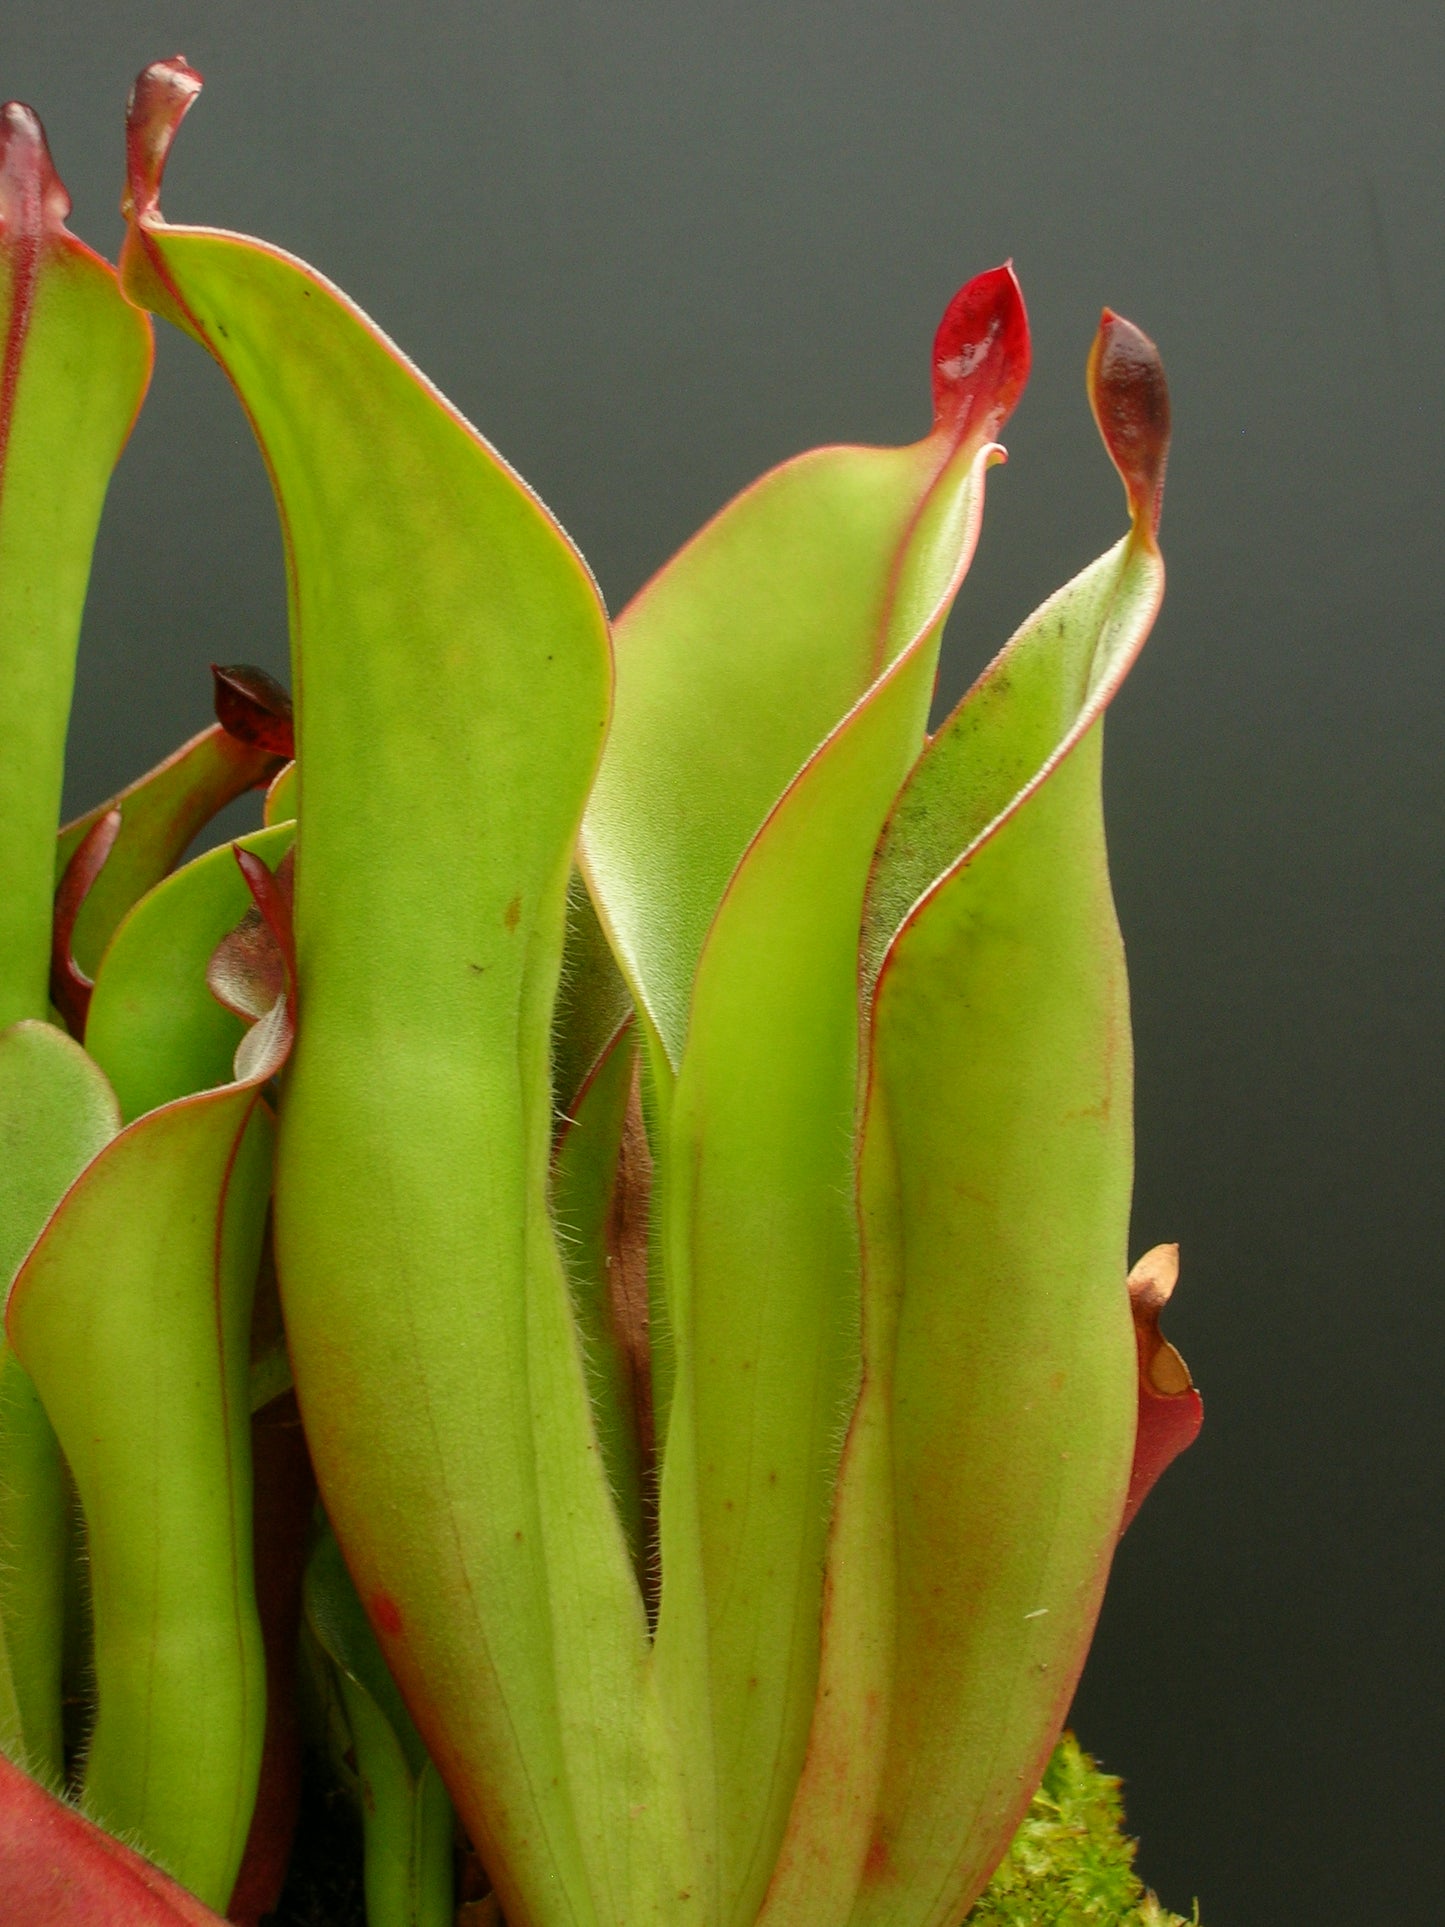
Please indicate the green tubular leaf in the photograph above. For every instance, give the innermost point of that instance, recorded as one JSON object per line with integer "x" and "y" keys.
{"x": 452, "y": 675}
{"x": 116, "y": 1316}
{"x": 74, "y": 363}
{"x": 339, "y": 1624}
{"x": 761, "y": 1239}
{"x": 132, "y": 1315}
{"x": 154, "y": 1026}
{"x": 996, "y": 1203}
{"x": 56, "y": 1112}
{"x": 762, "y": 1268}
{"x": 732, "y": 666}
{"x": 159, "y": 815}
{"x": 740, "y": 657}
{"x": 592, "y": 1001}
{"x": 985, "y": 1471}
{"x": 406, "y": 1815}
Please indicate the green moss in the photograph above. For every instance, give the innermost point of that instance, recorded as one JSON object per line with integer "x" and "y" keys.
{"x": 1071, "y": 1863}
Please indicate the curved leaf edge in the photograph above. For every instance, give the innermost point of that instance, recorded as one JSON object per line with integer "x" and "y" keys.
{"x": 1125, "y": 382}
{"x": 162, "y": 96}
{"x": 975, "y": 390}
{"x": 1171, "y": 1411}
{"x": 25, "y": 151}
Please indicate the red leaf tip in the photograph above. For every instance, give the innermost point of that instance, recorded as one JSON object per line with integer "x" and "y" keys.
{"x": 271, "y": 892}
{"x": 254, "y": 708}
{"x": 1152, "y": 1282}
{"x": 1170, "y": 1410}
{"x": 253, "y": 970}
{"x": 981, "y": 356}
{"x": 33, "y": 199}
{"x": 70, "y": 988}
{"x": 1130, "y": 400}
{"x": 33, "y": 207}
{"x": 159, "y": 101}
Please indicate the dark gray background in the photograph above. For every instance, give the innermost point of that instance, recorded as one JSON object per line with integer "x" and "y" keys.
{"x": 653, "y": 249}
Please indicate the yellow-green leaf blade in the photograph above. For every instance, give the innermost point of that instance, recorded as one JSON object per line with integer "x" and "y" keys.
{"x": 74, "y": 363}
{"x": 995, "y": 1178}
{"x": 160, "y": 813}
{"x": 759, "y": 1225}
{"x": 452, "y": 680}
{"x": 154, "y": 1025}
{"x": 132, "y": 1315}
{"x": 741, "y": 656}
{"x": 732, "y": 666}
{"x": 56, "y": 1112}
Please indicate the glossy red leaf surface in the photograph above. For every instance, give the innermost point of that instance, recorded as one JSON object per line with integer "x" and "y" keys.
{"x": 981, "y": 355}
{"x": 254, "y": 708}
